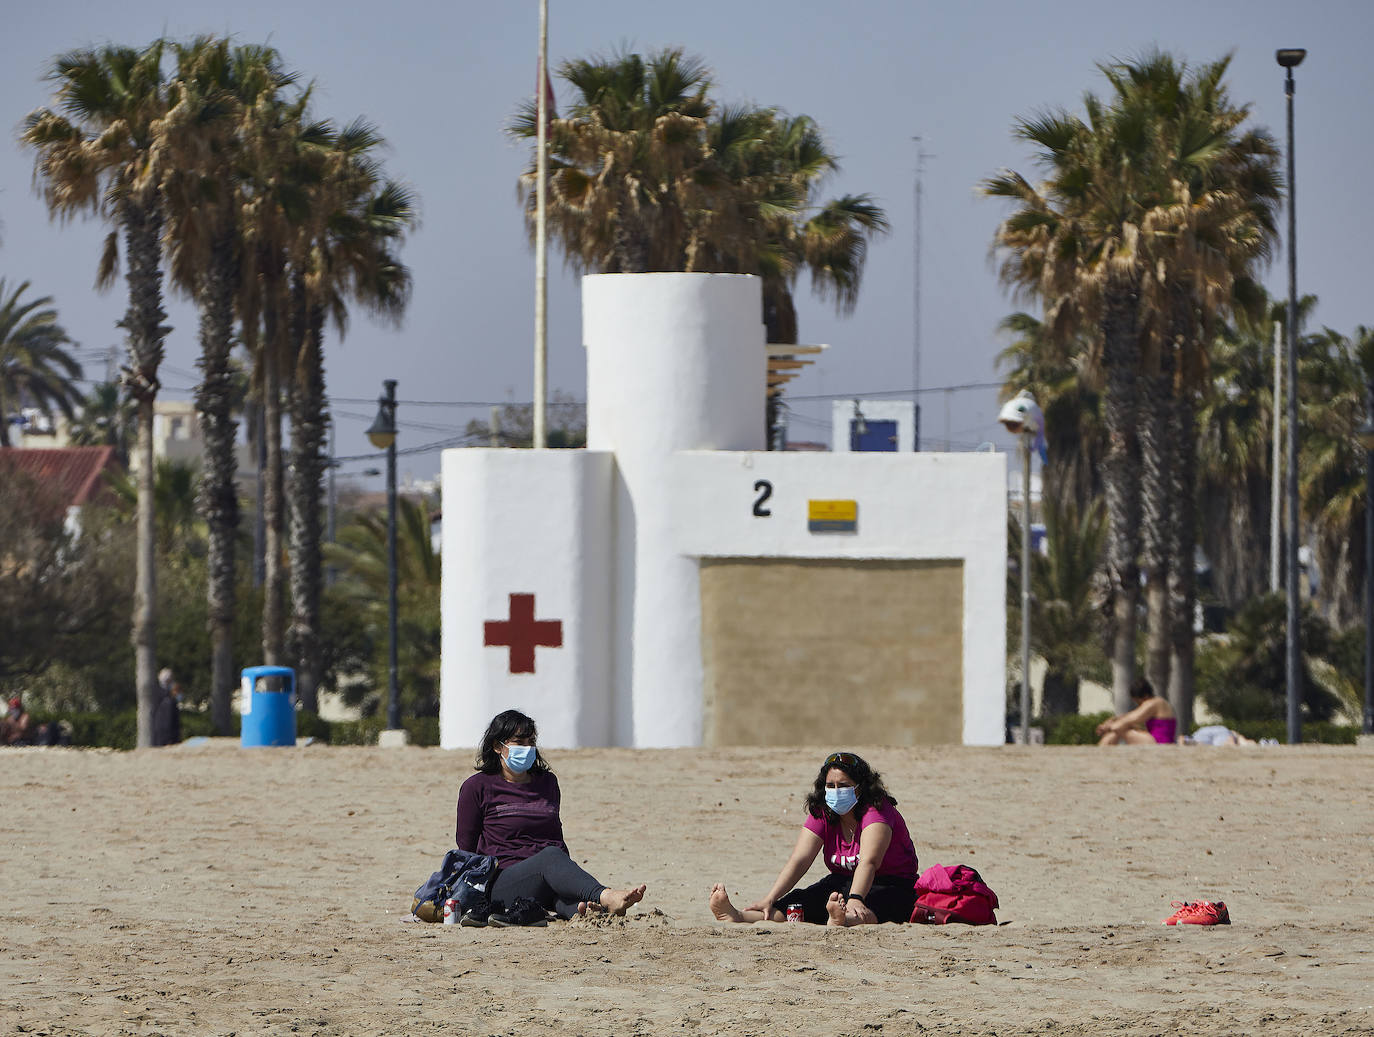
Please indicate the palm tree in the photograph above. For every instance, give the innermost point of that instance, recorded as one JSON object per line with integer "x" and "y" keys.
{"x": 1335, "y": 378}
{"x": 622, "y": 164}
{"x": 1209, "y": 220}
{"x": 35, "y": 369}
{"x": 282, "y": 154}
{"x": 647, "y": 174}
{"x": 346, "y": 250}
{"x": 216, "y": 89}
{"x": 1155, "y": 212}
{"x": 1074, "y": 244}
{"x": 100, "y": 151}
{"x": 106, "y": 418}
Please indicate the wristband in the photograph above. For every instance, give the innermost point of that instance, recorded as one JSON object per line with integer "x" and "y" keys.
{"x": 859, "y": 898}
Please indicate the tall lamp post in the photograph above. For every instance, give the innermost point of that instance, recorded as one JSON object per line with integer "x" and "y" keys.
{"x": 1366, "y": 436}
{"x": 1021, "y": 416}
{"x": 382, "y": 434}
{"x": 1289, "y": 59}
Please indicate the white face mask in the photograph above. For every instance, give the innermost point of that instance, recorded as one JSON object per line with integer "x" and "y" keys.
{"x": 842, "y": 800}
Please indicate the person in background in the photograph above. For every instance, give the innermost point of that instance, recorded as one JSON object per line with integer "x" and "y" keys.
{"x": 167, "y": 715}
{"x": 872, "y": 862}
{"x": 509, "y": 810}
{"x": 1150, "y": 721}
{"x": 14, "y": 726}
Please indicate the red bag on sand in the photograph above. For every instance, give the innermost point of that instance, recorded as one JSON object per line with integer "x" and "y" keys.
{"x": 953, "y": 894}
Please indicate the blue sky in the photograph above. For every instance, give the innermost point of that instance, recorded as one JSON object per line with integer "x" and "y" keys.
{"x": 442, "y": 80}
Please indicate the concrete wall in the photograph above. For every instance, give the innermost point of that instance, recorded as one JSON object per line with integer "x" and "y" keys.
{"x": 866, "y": 651}
{"x": 940, "y": 507}
{"x": 527, "y": 522}
{"x": 674, "y": 362}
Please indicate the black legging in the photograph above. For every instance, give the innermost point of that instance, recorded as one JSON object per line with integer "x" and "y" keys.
{"x": 891, "y": 899}
{"x": 551, "y": 879}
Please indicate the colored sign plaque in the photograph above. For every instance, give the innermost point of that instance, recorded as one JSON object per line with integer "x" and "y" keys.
{"x": 832, "y": 516}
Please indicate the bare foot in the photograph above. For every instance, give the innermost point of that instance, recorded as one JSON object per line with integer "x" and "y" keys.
{"x": 616, "y": 901}
{"x": 834, "y": 907}
{"x": 585, "y": 908}
{"x": 721, "y": 906}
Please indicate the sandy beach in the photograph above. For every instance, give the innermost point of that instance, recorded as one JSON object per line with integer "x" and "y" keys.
{"x": 207, "y": 889}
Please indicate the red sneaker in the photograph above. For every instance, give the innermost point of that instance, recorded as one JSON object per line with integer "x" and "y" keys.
{"x": 1202, "y": 912}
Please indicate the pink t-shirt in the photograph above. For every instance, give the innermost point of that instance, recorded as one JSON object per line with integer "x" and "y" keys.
{"x": 842, "y": 856}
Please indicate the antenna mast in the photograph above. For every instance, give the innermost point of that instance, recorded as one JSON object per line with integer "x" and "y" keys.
{"x": 921, "y": 156}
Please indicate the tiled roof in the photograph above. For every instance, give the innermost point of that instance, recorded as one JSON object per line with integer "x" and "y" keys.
{"x": 73, "y": 473}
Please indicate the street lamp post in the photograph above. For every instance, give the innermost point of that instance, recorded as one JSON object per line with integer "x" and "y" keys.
{"x": 382, "y": 434}
{"x": 1366, "y": 436}
{"x": 1022, "y": 418}
{"x": 1290, "y": 58}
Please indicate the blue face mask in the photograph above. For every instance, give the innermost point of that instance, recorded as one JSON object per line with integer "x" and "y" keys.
{"x": 520, "y": 758}
{"x": 842, "y": 801}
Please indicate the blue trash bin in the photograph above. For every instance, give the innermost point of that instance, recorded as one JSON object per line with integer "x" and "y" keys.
{"x": 268, "y": 713}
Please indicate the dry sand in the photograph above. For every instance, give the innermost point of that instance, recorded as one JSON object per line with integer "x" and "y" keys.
{"x": 214, "y": 890}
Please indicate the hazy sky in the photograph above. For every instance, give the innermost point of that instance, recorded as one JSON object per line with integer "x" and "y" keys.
{"x": 441, "y": 80}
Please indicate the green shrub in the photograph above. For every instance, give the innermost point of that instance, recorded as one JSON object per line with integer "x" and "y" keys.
{"x": 1313, "y": 731}
{"x": 119, "y": 729}
{"x": 1073, "y": 729}
{"x": 422, "y": 730}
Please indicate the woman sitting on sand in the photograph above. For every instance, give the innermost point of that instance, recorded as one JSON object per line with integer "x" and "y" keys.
{"x": 1150, "y": 721}
{"x": 853, "y": 819}
{"x": 509, "y": 810}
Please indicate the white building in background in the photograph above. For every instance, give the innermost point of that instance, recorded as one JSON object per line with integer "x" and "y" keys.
{"x": 674, "y": 584}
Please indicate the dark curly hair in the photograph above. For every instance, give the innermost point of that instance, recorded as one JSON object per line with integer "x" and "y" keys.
{"x": 868, "y": 786}
{"x": 503, "y": 727}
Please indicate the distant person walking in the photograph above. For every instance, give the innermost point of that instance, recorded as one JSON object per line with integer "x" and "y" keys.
{"x": 167, "y": 715}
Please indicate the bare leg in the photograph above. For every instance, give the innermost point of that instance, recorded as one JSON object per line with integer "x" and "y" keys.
{"x": 1110, "y": 738}
{"x": 616, "y": 901}
{"x": 1134, "y": 737}
{"x": 728, "y": 912}
{"x": 835, "y": 908}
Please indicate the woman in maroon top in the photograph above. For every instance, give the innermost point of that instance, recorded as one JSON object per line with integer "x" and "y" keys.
{"x": 509, "y": 810}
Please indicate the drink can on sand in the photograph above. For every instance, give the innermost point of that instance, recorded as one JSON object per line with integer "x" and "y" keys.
{"x": 451, "y": 911}
{"x": 795, "y": 913}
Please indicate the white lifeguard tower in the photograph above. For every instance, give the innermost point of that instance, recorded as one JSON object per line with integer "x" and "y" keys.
{"x": 675, "y": 584}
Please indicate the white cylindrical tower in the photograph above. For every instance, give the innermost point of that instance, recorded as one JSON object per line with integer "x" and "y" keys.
{"x": 674, "y": 362}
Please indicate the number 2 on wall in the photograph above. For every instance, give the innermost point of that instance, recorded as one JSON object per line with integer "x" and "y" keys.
{"x": 764, "y": 489}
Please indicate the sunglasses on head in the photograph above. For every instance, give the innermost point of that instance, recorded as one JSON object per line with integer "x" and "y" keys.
{"x": 843, "y": 759}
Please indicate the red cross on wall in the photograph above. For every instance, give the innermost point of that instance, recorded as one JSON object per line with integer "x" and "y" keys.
{"x": 522, "y": 632}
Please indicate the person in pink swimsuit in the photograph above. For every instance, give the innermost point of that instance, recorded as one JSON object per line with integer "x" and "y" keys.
{"x": 1150, "y": 721}
{"x": 853, "y": 822}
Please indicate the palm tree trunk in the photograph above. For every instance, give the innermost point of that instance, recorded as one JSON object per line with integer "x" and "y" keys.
{"x": 309, "y": 425}
{"x": 1156, "y": 506}
{"x": 145, "y": 580}
{"x": 219, "y": 501}
{"x": 1182, "y": 579}
{"x": 1121, "y": 352}
{"x": 273, "y": 614}
{"x": 142, "y": 222}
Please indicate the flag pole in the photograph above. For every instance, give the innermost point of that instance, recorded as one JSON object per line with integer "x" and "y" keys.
{"x": 541, "y": 257}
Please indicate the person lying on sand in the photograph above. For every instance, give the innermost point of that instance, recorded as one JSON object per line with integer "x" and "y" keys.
{"x": 872, "y": 862}
{"x": 1215, "y": 734}
{"x": 509, "y": 810}
{"x": 1150, "y": 721}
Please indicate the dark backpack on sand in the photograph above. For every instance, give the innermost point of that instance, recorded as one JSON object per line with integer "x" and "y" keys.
{"x": 463, "y": 876}
{"x": 954, "y": 894}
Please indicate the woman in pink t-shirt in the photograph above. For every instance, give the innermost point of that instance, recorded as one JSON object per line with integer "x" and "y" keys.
{"x": 853, "y": 821}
